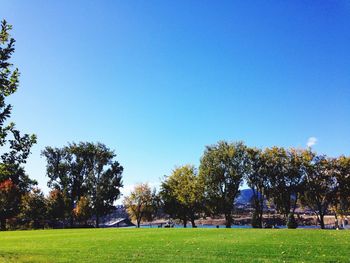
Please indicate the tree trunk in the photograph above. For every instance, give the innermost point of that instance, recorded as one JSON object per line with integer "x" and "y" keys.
{"x": 192, "y": 222}
{"x": 71, "y": 221}
{"x": 228, "y": 219}
{"x": 260, "y": 219}
{"x": 185, "y": 222}
{"x": 261, "y": 211}
{"x": 138, "y": 222}
{"x": 321, "y": 220}
{"x": 97, "y": 221}
{"x": 336, "y": 223}
{"x": 71, "y": 218}
{"x": 2, "y": 224}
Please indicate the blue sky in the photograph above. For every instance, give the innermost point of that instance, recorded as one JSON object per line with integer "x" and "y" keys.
{"x": 158, "y": 80}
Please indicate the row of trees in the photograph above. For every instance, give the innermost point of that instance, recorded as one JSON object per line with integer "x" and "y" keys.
{"x": 85, "y": 182}
{"x": 286, "y": 178}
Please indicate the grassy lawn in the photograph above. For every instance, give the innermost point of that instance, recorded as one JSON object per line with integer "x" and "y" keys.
{"x": 175, "y": 245}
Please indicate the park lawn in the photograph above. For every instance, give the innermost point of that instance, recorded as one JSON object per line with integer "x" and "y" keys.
{"x": 175, "y": 245}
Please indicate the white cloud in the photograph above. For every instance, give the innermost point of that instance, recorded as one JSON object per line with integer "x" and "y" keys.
{"x": 311, "y": 142}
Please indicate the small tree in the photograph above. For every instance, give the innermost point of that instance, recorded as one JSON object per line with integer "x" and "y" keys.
{"x": 33, "y": 208}
{"x": 182, "y": 194}
{"x": 139, "y": 204}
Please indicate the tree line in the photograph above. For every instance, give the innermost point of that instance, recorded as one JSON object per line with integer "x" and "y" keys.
{"x": 286, "y": 178}
{"x": 85, "y": 181}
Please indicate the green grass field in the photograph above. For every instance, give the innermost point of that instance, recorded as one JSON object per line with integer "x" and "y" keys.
{"x": 175, "y": 245}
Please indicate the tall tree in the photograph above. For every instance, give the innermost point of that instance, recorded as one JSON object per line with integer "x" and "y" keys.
{"x": 15, "y": 147}
{"x": 103, "y": 178}
{"x": 66, "y": 175}
{"x": 139, "y": 204}
{"x": 320, "y": 186}
{"x": 286, "y": 172}
{"x": 257, "y": 180}
{"x": 221, "y": 170}
{"x": 85, "y": 169}
{"x": 182, "y": 194}
{"x": 341, "y": 201}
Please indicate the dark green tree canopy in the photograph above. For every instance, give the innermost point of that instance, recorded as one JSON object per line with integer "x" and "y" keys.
{"x": 85, "y": 169}
{"x": 15, "y": 147}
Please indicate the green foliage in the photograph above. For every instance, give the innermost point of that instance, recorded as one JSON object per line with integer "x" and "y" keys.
{"x": 182, "y": 194}
{"x": 56, "y": 206}
{"x": 15, "y": 147}
{"x": 257, "y": 181}
{"x": 340, "y": 167}
{"x": 222, "y": 169}
{"x": 320, "y": 186}
{"x": 285, "y": 172}
{"x": 85, "y": 169}
{"x": 33, "y": 208}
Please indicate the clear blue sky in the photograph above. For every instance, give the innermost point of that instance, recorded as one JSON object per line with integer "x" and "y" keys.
{"x": 158, "y": 80}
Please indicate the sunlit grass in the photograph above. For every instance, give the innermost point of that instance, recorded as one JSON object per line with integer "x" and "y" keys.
{"x": 175, "y": 245}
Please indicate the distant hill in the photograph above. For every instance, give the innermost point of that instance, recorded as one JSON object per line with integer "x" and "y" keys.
{"x": 244, "y": 196}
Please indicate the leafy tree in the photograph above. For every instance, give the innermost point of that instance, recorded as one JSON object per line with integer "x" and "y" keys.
{"x": 256, "y": 179}
{"x": 222, "y": 169}
{"x": 33, "y": 208}
{"x": 65, "y": 175}
{"x": 340, "y": 168}
{"x": 182, "y": 194}
{"x": 139, "y": 204}
{"x": 85, "y": 169}
{"x": 320, "y": 186}
{"x": 286, "y": 172}
{"x": 16, "y": 147}
{"x": 103, "y": 178}
{"x": 170, "y": 204}
{"x": 9, "y": 200}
